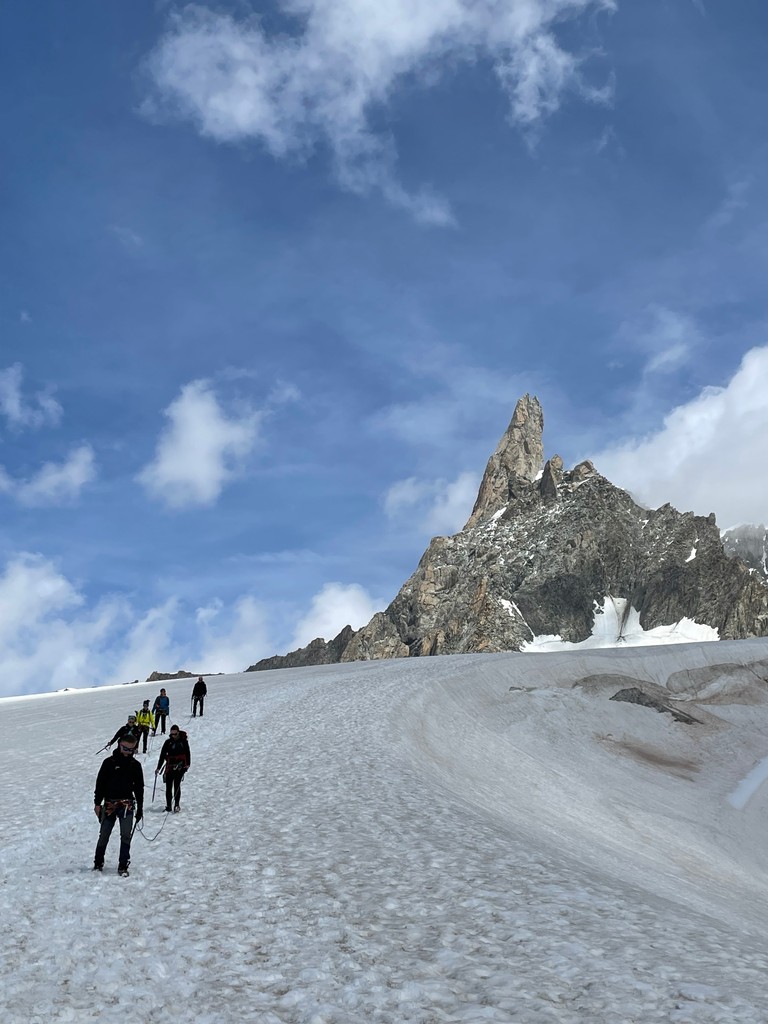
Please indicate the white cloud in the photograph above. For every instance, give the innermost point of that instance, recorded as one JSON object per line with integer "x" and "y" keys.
{"x": 144, "y": 644}
{"x": 42, "y": 410}
{"x": 201, "y": 450}
{"x": 709, "y": 454}
{"x": 320, "y": 85}
{"x": 127, "y": 237}
{"x": 439, "y": 506}
{"x": 52, "y": 637}
{"x": 231, "y": 639}
{"x": 335, "y": 606}
{"x": 55, "y": 483}
{"x": 47, "y": 636}
{"x": 452, "y": 504}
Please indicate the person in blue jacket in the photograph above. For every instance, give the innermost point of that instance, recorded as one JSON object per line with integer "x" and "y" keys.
{"x": 161, "y": 709}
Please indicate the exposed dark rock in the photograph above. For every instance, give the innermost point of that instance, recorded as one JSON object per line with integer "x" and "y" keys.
{"x": 635, "y": 696}
{"x": 316, "y": 653}
{"x": 158, "y": 677}
{"x": 552, "y": 477}
{"x": 540, "y": 554}
{"x": 750, "y": 544}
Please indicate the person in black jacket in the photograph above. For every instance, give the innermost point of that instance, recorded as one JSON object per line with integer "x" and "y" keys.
{"x": 199, "y": 691}
{"x": 119, "y": 789}
{"x": 176, "y": 757}
{"x": 131, "y": 726}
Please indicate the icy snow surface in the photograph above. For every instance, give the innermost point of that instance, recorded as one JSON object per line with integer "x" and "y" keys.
{"x": 481, "y": 838}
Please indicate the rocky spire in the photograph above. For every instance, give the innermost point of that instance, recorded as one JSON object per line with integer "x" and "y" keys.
{"x": 519, "y": 453}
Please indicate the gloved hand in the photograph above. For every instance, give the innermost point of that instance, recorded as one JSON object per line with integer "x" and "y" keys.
{"x": 97, "y": 811}
{"x": 139, "y": 816}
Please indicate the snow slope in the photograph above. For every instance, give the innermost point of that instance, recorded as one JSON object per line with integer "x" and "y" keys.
{"x": 403, "y": 841}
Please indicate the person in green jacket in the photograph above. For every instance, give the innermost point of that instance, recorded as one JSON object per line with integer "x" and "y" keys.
{"x": 145, "y": 720}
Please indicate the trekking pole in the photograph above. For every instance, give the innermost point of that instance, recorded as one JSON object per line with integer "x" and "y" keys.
{"x": 105, "y": 747}
{"x": 154, "y": 788}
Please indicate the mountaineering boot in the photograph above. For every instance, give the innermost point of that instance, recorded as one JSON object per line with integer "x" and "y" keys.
{"x": 97, "y": 866}
{"x": 176, "y": 809}
{"x": 168, "y": 809}
{"x": 123, "y": 872}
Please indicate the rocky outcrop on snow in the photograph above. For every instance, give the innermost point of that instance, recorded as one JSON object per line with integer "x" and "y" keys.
{"x": 159, "y": 677}
{"x": 542, "y": 550}
{"x": 317, "y": 653}
{"x": 634, "y": 695}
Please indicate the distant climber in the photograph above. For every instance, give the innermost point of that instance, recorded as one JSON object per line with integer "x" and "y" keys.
{"x": 199, "y": 690}
{"x": 145, "y": 721}
{"x": 161, "y": 709}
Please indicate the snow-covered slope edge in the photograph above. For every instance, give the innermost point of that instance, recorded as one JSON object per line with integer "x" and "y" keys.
{"x": 403, "y": 842}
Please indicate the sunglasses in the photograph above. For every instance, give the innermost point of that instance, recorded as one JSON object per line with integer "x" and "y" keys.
{"x": 127, "y": 748}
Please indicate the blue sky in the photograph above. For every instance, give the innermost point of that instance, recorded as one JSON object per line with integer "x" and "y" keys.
{"x": 272, "y": 277}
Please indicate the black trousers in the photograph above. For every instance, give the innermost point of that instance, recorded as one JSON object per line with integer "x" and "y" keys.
{"x": 160, "y": 717}
{"x": 173, "y": 787}
{"x": 125, "y": 816}
{"x": 143, "y": 733}
{"x": 195, "y": 702}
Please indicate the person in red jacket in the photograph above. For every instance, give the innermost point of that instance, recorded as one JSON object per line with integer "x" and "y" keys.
{"x": 176, "y": 758}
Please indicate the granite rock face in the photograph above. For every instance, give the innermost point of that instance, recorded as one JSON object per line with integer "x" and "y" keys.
{"x": 518, "y": 460}
{"x": 316, "y": 653}
{"x": 750, "y": 544}
{"x": 542, "y": 549}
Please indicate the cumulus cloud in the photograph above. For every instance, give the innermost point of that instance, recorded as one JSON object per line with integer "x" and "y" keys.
{"x": 233, "y": 638}
{"x": 52, "y": 637}
{"x": 143, "y": 643}
{"x": 709, "y": 454}
{"x": 320, "y": 84}
{"x": 201, "y": 450}
{"x": 335, "y": 606}
{"x": 435, "y": 506}
{"x": 55, "y": 483}
{"x": 47, "y": 635}
{"x": 20, "y": 412}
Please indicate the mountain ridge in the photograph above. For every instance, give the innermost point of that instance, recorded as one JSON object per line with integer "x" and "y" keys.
{"x": 541, "y": 552}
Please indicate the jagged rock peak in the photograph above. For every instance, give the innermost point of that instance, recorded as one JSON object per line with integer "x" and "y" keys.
{"x": 519, "y": 454}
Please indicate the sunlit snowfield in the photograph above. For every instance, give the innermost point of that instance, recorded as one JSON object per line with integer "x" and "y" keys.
{"x": 403, "y": 841}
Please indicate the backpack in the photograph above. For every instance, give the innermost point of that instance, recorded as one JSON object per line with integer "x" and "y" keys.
{"x": 178, "y": 759}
